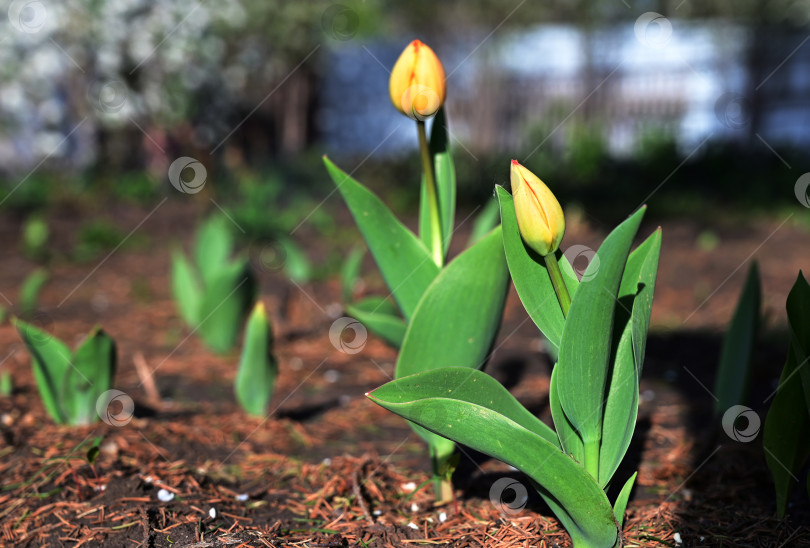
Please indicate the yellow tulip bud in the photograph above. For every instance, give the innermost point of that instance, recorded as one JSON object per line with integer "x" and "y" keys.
{"x": 539, "y": 215}
{"x": 417, "y": 84}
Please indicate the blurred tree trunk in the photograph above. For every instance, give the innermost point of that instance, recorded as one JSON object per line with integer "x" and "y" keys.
{"x": 756, "y": 58}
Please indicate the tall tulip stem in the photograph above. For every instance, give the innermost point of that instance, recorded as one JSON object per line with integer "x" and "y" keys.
{"x": 557, "y": 281}
{"x": 432, "y": 196}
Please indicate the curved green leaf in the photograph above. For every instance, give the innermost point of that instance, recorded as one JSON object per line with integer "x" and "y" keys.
{"x": 786, "y": 436}
{"x": 485, "y": 220}
{"x": 225, "y": 305}
{"x": 621, "y": 500}
{"x": 495, "y": 432}
{"x": 458, "y": 317}
{"x": 570, "y": 442}
{"x": 213, "y": 248}
{"x": 90, "y": 375}
{"x": 186, "y": 288}
{"x": 632, "y": 320}
{"x": 734, "y": 372}
{"x": 350, "y": 272}
{"x": 50, "y": 359}
{"x": 585, "y": 347}
{"x": 403, "y": 260}
{"x": 465, "y": 385}
{"x": 256, "y": 376}
{"x": 379, "y": 315}
{"x": 530, "y": 275}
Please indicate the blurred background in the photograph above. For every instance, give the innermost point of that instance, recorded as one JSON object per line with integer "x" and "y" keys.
{"x": 694, "y": 107}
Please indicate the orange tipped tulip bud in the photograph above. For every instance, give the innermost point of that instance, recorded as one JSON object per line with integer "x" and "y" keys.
{"x": 417, "y": 84}
{"x": 539, "y": 215}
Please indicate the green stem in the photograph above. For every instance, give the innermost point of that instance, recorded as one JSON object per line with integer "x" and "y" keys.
{"x": 432, "y": 196}
{"x": 559, "y": 284}
{"x": 442, "y": 488}
{"x": 592, "y": 458}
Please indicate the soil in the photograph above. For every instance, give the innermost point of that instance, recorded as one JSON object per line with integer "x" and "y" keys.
{"x": 328, "y": 468}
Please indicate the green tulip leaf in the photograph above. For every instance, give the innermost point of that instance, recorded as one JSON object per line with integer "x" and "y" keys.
{"x": 50, "y": 359}
{"x": 621, "y": 501}
{"x": 570, "y": 442}
{"x": 786, "y": 436}
{"x": 530, "y": 275}
{"x": 631, "y": 322}
{"x": 798, "y": 309}
{"x": 405, "y": 263}
{"x": 224, "y": 305}
{"x": 485, "y": 220}
{"x": 451, "y": 403}
{"x": 457, "y": 319}
{"x": 90, "y": 375}
{"x": 256, "y": 376}
{"x": 585, "y": 347}
{"x": 213, "y": 248}
{"x": 445, "y": 175}
{"x": 381, "y": 317}
{"x": 30, "y": 288}
{"x": 734, "y": 372}
{"x": 186, "y": 288}
{"x": 350, "y": 272}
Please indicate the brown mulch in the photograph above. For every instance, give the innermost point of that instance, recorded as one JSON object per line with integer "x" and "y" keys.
{"x": 327, "y": 468}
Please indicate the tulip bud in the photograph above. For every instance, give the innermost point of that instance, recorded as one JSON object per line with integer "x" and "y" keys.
{"x": 539, "y": 215}
{"x": 417, "y": 84}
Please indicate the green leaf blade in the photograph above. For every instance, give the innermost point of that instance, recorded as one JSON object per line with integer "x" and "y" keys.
{"x": 786, "y": 435}
{"x": 258, "y": 368}
{"x": 380, "y": 317}
{"x": 485, "y": 429}
{"x": 405, "y": 263}
{"x": 225, "y": 305}
{"x": 632, "y": 317}
{"x": 586, "y": 339}
{"x": 465, "y": 301}
{"x": 734, "y": 372}
{"x": 213, "y": 248}
{"x": 50, "y": 359}
{"x": 186, "y": 288}
{"x": 91, "y": 374}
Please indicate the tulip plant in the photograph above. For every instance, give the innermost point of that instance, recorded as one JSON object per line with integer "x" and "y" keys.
{"x": 70, "y": 383}
{"x": 215, "y": 295}
{"x": 786, "y": 436}
{"x": 256, "y": 377}
{"x": 442, "y": 312}
{"x": 598, "y": 327}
